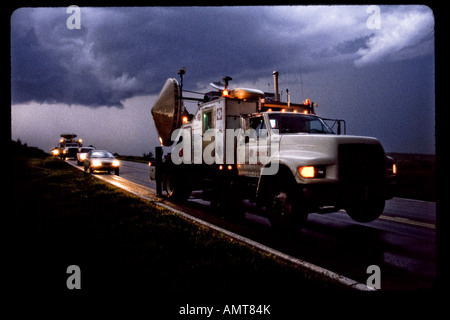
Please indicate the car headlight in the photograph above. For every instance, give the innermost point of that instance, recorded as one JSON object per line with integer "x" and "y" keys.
{"x": 83, "y": 156}
{"x": 96, "y": 163}
{"x": 115, "y": 163}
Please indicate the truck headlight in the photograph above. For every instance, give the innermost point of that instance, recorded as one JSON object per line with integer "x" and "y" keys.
{"x": 309, "y": 172}
{"x": 115, "y": 163}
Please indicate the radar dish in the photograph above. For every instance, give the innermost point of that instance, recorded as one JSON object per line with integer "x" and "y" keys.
{"x": 217, "y": 85}
{"x": 245, "y": 93}
{"x": 166, "y": 111}
{"x": 68, "y": 136}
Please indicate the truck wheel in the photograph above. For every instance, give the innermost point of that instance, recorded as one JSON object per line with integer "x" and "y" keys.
{"x": 366, "y": 211}
{"x": 175, "y": 187}
{"x": 284, "y": 208}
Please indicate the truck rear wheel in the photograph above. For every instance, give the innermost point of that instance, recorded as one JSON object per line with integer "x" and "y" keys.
{"x": 366, "y": 211}
{"x": 175, "y": 186}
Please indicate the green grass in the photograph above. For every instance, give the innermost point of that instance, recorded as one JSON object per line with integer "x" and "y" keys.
{"x": 123, "y": 243}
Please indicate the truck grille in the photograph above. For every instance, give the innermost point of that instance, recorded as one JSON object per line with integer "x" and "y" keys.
{"x": 361, "y": 164}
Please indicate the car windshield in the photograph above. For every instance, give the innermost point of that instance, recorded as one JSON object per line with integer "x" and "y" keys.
{"x": 101, "y": 154}
{"x": 86, "y": 150}
{"x": 297, "y": 123}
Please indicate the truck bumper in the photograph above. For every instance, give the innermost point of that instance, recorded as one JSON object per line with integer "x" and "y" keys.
{"x": 321, "y": 195}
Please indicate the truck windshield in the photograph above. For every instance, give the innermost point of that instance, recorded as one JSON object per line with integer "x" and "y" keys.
{"x": 298, "y": 123}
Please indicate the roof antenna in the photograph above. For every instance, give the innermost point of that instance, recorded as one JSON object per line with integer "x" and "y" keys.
{"x": 181, "y": 72}
{"x": 226, "y": 79}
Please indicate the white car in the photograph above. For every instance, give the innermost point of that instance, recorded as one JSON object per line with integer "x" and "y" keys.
{"x": 101, "y": 160}
{"x": 82, "y": 154}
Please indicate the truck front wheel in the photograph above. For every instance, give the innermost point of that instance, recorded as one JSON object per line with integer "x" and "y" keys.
{"x": 366, "y": 211}
{"x": 284, "y": 208}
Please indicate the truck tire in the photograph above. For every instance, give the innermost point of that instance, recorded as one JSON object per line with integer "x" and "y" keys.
{"x": 284, "y": 208}
{"x": 175, "y": 186}
{"x": 366, "y": 211}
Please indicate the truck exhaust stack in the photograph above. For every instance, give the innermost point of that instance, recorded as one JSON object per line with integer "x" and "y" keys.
{"x": 275, "y": 86}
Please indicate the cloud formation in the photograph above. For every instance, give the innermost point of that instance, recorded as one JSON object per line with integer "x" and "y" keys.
{"x": 405, "y": 33}
{"x": 120, "y": 53}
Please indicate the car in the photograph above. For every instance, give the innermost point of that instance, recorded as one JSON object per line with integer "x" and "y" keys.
{"x": 101, "y": 160}
{"x": 82, "y": 154}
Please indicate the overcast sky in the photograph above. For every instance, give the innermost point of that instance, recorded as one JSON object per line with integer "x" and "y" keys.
{"x": 376, "y": 71}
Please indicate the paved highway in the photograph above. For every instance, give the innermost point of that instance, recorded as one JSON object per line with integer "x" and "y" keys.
{"x": 402, "y": 242}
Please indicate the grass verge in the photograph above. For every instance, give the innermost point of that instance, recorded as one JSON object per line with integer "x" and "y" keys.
{"x": 125, "y": 244}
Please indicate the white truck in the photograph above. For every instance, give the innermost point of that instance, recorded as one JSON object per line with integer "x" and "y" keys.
{"x": 68, "y": 146}
{"x": 246, "y": 144}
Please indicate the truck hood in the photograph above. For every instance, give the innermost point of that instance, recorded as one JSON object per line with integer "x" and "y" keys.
{"x": 316, "y": 147}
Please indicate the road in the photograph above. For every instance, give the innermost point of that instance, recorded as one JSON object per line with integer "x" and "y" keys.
{"x": 402, "y": 242}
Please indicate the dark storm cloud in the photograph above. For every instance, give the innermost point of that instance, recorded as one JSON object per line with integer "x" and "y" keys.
{"x": 123, "y": 52}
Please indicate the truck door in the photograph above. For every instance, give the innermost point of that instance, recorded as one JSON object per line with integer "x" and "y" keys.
{"x": 254, "y": 146}
{"x": 208, "y": 134}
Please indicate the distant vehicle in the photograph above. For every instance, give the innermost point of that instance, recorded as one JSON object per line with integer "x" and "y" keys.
{"x": 101, "y": 160}
{"x": 69, "y": 150}
{"x": 55, "y": 152}
{"x": 82, "y": 154}
{"x": 68, "y": 146}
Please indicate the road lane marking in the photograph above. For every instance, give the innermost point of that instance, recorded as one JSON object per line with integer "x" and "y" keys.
{"x": 408, "y": 221}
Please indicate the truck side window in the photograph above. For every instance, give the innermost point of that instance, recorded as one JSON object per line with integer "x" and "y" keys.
{"x": 208, "y": 120}
{"x": 257, "y": 123}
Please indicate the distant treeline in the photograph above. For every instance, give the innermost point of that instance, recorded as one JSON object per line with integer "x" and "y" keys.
{"x": 19, "y": 148}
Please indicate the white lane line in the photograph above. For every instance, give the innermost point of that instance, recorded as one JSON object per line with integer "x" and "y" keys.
{"x": 408, "y": 221}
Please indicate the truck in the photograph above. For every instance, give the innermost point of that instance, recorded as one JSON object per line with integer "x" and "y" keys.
{"x": 247, "y": 144}
{"x": 68, "y": 146}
